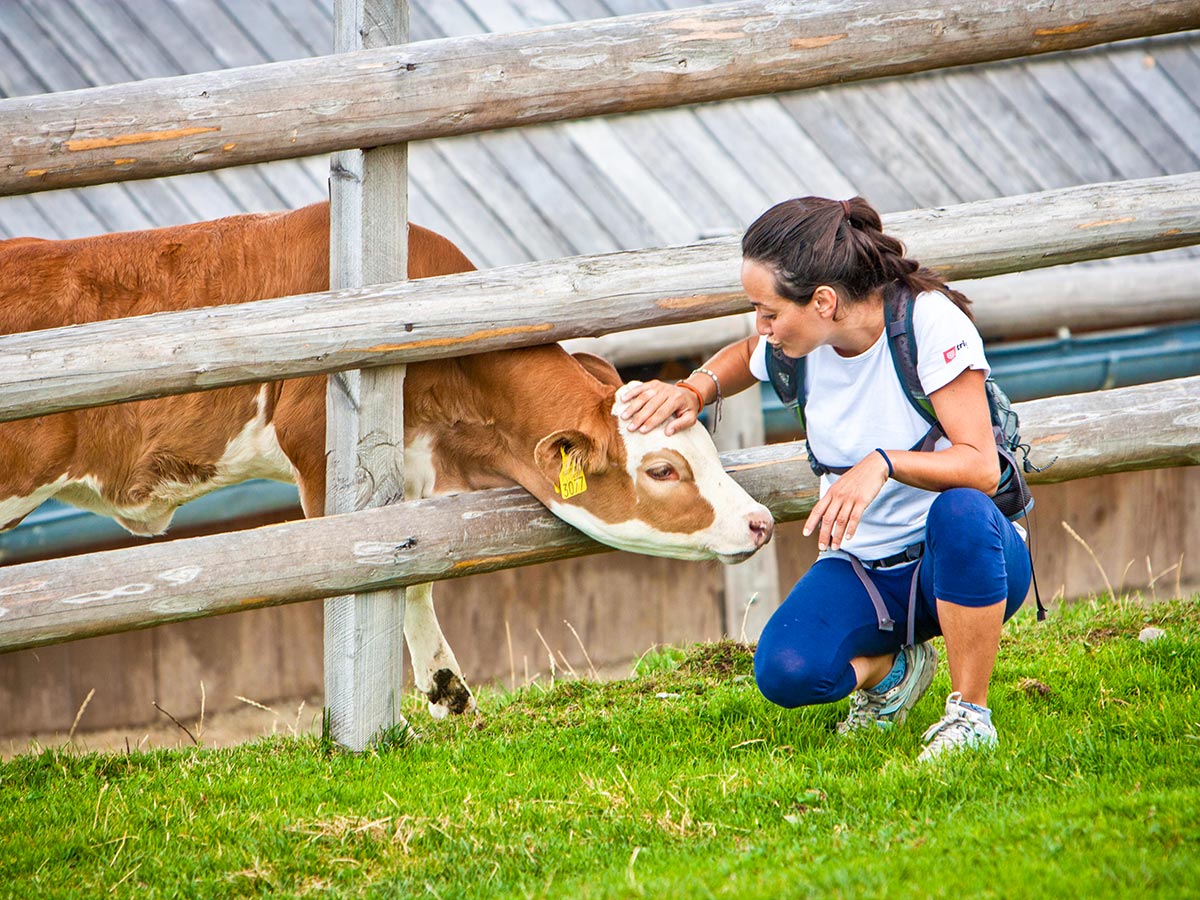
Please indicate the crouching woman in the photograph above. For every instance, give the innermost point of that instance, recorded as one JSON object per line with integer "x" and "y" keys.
{"x": 911, "y": 545}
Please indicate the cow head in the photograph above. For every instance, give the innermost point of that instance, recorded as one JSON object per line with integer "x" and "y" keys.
{"x": 651, "y": 493}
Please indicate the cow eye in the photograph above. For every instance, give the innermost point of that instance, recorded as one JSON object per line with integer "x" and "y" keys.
{"x": 663, "y": 472}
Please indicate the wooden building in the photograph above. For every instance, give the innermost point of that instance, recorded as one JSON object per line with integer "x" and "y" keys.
{"x": 1122, "y": 111}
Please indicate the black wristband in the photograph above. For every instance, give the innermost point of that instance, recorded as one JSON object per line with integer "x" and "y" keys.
{"x": 891, "y": 471}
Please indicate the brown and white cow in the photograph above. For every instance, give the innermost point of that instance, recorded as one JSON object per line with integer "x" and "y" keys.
{"x": 486, "y": 420}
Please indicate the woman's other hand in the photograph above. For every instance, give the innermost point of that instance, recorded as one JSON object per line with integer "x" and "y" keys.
{"x": 651, "y": 403}
{"x": 841, "y": 509}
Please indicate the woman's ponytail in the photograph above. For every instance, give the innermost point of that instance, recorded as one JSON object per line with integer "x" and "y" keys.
{"x": 812, "y": 241}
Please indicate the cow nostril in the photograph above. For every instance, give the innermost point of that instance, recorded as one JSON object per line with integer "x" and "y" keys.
{"x": 761, "y": 527}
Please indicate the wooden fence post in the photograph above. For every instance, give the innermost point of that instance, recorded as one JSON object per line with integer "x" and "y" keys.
{"x": 368, "y": 244}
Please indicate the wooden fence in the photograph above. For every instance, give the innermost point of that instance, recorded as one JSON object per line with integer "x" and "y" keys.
{"x": 465, "y": 534}
{"x": 175, "y": 125}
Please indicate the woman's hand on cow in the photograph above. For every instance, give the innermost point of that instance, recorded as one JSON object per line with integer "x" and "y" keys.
{"x": 841, "y": 509}
{"x": 651, "y": 403}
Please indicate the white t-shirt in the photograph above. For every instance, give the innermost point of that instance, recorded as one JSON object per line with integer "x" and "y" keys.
{"x": 856, "y": 404}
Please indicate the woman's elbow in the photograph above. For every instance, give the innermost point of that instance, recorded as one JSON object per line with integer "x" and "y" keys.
{"x": 988, "y": 475}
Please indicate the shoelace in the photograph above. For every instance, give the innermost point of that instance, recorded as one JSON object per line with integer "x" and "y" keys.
{"x": 863, "y": 709}
{"x": 953, "y": 728}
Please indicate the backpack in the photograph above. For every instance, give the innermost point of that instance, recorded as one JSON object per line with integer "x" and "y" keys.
{"x": 1012, "y": 497}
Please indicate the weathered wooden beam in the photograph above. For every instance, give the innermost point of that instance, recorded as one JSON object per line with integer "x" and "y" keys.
{"x": 364, "y": 410}
{"x": 1018, "y": 305}
{"x": 172, "y": 353}
{"x": 1149, "y": 426}
{"x": 192, "y": 123}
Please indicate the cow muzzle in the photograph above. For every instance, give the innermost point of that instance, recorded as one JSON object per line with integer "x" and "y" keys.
{"x": 760, "y": 527}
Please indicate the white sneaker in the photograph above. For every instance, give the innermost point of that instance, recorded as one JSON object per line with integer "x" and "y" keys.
{"x": 883, "y": 709}
{"x": 961, "y": 728}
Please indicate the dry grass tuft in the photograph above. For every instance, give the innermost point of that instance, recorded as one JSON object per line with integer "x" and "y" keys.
{"x": 395, "y": 830}
{"x": 1032, "y": 687}
{"x": 720, "y": 659}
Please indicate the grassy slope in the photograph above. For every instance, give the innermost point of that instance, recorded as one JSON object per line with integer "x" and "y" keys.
{"x": 611, "y": 790}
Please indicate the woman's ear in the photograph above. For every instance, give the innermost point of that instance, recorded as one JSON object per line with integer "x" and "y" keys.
{"x": 825, "y": 299}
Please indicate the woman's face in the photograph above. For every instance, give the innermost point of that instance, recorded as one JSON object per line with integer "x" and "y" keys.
{"x": 796, "y": 330}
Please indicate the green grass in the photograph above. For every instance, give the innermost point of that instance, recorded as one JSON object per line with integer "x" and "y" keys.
{"x": 679, "y": 782}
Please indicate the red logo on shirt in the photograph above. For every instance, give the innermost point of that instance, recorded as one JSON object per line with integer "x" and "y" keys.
{"x": 948, "y": 355}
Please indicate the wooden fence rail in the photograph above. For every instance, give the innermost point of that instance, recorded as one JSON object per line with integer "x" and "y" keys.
{"x": 191, "y": 123}
{"x": 1018, "y": 305}
{"x": 171, "y": 353}
{"x": 1149, "y": 426}
{"x": 1032, "y": 304}
{"x": 1085, "y": 298}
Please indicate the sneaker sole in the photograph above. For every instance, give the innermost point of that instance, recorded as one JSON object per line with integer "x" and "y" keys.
{"x": 952, "y": 750}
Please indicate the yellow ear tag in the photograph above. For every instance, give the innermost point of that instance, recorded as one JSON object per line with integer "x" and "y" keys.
{"x": 570, "y": 477}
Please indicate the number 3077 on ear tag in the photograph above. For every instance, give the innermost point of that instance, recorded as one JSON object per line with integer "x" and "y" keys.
{"x": 570, "y": 477}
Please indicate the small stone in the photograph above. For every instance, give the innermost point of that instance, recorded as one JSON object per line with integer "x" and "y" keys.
{"x": 1150, "y": 633}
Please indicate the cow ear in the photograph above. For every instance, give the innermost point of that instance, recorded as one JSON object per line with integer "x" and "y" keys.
{"x": 600, "y": 369}
{"x": 579, "y": 448}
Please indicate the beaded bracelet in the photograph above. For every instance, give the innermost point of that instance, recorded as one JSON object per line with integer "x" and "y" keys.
{"x": 717, "y": 408}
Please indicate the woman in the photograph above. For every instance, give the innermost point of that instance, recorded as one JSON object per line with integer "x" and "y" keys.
{"x": 816, "y": 272}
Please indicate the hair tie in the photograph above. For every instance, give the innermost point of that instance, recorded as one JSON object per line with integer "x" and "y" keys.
{"x": 845, "y": 208}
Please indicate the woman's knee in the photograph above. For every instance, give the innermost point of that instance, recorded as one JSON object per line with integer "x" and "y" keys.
{"x": 790, "y": 678}
{"x": 962, "y": 520}
{"x": 975, "y": 557}
{"x": 959, "y": 504}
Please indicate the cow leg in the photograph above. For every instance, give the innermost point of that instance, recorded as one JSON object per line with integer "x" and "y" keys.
{"x": 435, "y": 669}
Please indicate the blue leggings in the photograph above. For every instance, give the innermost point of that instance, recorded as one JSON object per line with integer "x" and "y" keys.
{"x": 973, "y": 557}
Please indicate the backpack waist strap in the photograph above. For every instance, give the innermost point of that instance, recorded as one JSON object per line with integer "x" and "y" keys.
{"x": 911, "y": 553}
{"x": 924, "y": 445}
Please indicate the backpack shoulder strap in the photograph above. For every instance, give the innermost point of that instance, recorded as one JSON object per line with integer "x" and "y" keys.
{"x": 787, "y": 378}
{"x": 898, "y": 303}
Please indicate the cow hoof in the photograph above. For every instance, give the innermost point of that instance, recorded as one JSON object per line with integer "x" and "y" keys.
{"x": 449, "y": 694}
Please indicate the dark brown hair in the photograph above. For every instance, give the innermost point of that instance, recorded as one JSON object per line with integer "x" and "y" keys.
{"x": 811, "y": 241}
